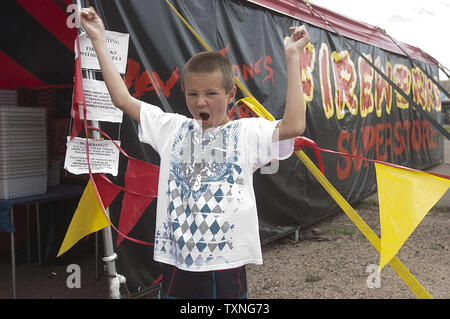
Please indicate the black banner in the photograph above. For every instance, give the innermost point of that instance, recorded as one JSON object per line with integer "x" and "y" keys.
{"x": 349, "y": 107}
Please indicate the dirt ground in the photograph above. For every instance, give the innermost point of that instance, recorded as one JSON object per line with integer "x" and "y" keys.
{"x": 335, "y": 261}
{"x": 331, "y": 260}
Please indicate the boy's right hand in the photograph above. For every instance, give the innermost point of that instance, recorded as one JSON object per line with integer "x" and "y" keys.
{"x": 92, "y": 24}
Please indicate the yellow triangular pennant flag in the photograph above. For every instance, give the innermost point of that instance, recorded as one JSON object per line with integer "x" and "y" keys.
{"x": 88, "y": 218}
{"x": 404, "y": 198}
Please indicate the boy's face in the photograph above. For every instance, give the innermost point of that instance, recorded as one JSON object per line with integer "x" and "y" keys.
{"x": 206, "y": 98}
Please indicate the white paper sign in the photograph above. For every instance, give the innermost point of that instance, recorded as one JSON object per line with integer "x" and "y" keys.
{"x": 103, "y": 156}
{"x": 99, "y": 106}
{"x": 117, "y": 44}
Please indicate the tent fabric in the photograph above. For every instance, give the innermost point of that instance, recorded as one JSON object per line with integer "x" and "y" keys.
{"x": 40, "y": 27}
{"x": 37, "y": 44}
{"x": 348, "y": 27}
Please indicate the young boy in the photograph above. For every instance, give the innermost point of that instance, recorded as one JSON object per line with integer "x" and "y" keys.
{"x": 206, "y": 222}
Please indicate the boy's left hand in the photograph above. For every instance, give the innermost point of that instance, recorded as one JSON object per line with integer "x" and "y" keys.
{"x": 297, "y": 41}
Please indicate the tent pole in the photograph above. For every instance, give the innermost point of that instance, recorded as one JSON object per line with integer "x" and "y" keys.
{"x": 114, "y": 279}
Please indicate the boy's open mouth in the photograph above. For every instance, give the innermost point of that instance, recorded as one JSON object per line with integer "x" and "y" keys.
{"x": 204, "y": 116}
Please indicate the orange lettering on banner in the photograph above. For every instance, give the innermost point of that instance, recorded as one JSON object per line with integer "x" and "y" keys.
{"x": 382, "y": 88}
{"x": 437, "y": 98}
{"x": 325, "y": 84}
{"x": 345, "y": 83}
{"x": 386, "y": 141}
{"x": 365, "y": 91}
{"x": 419, "y": 88}
{"x": 429, "y": 94}
{"x": 307, "y": 61}
{"x": 402, "y": 78}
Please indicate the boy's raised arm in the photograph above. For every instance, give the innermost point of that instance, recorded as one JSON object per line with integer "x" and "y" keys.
{"x": 294, "y": 122}
{"x": 120, "y": 96}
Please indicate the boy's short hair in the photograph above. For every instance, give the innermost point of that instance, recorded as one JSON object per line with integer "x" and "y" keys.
{"x": 210, "y": 62}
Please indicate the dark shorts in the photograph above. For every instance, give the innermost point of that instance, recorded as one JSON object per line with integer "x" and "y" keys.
{"x": 218, "y": 284}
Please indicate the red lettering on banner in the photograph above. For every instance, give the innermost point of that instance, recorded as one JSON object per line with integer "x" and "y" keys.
{"x": 382, "y": 89}
{"x": 237, "y": 71}
{"x": 356, "y": 162}
{"x": 249, "y": 71}
{"x": 224, "y": 50}
{"x": 388, "y": 139}
{"x": 379, "y": 141}
{"x": 416, "y": 135}
{"x": 146, "y": 81}
{"x": 428, "y": 134}
{"x": 267, "y": 61}
{"x": 257, "y": 69}
{"x": 167, "y": 86}
{"x": 406, "y": 129}
{"x": 398, "y": 149}
{"x": 325, "y": 84}
{"x": 345, "y": 83}
{"x": 368, "y": 136}
{"x": 365, "y": 91}
{"x": 402, "y": 78}
{"x": 240, "y": 111}
{"x": 342, "y": 173}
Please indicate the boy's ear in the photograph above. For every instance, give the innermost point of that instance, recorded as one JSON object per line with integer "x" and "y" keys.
{"x": 232, "y": 94}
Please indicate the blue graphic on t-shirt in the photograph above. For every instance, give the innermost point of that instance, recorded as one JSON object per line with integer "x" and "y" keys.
{"x": 203, "y": 190}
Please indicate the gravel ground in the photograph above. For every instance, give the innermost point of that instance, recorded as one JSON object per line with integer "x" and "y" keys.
{"x": 333, "y": 260}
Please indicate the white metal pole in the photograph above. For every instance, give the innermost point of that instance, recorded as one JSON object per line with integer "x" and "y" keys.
{"x": 114, "y": 279}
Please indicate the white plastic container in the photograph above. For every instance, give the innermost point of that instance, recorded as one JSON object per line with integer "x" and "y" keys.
{"x": 22, "y": 186}
{"x": 23, "y": 151}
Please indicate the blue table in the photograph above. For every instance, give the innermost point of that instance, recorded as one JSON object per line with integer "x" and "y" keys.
{"x": 54, "y": 193}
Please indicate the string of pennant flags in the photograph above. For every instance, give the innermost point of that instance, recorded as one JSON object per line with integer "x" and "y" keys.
{"x": 405, "y": 195}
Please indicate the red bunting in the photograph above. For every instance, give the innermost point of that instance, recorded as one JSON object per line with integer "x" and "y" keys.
{"x": 78, "y": 93}
{"x": 141, "y": 187}
{"x": 140, "y": 177}
{"x": 301, "y": 141}
{"x": 108, "y": 191}
{"x": 104, "y": 189}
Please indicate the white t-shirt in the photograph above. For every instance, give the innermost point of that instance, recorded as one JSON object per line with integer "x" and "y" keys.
{"x": 206, "y": 215}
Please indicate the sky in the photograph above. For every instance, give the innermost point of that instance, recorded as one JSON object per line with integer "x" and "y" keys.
{"x": 423, "y": 24}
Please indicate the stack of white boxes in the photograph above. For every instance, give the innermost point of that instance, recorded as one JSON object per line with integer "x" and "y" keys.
{"x": 23, "y": 151}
